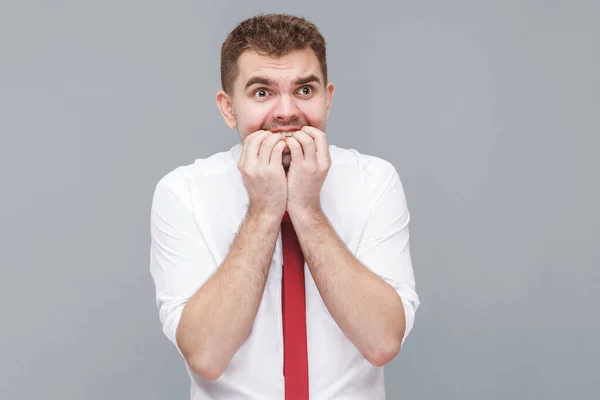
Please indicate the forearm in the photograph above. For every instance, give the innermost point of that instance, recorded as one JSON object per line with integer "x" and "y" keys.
{"x": 217, "y": 319}
{"x": 366, "y": 308}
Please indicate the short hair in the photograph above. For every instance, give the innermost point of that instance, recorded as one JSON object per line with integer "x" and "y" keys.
{"x": 275, "y": 35}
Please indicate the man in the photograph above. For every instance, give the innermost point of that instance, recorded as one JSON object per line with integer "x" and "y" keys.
{"x": 282, "y": 266}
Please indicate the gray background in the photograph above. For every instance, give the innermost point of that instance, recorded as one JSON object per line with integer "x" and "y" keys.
{"x": 489, "y": 111}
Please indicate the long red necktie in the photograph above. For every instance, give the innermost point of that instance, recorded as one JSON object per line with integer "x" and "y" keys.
{"x": 295, "y": 353}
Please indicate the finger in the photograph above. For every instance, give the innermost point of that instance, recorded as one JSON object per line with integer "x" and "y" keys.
{"x": 266, "y": 148}
{"x": 308, "y": 146}
{"x": 295, "y": 149}
{"x": 321, "y": 146}
{"x": 246, "y": 143}
{"x": 253, "y": 144}
{"x": 277, "y": 154}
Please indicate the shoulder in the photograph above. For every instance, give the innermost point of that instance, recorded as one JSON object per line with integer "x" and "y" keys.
{"x": 181, "y": 180}
{"x": 373, "y": 175}
{"x": 367, "y": 165}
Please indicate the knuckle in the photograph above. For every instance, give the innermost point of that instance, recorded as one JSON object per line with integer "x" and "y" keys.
{"x": 262, "y": 172}
{"x": 249, "y": 172}
{"x": 323, "y": 167}
{"x": 310, "y": 168}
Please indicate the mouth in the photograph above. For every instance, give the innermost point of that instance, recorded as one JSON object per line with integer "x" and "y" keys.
{"x": 287, "y": 131}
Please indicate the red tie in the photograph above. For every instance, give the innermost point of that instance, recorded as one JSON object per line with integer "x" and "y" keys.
{"x": 295, "y": 354}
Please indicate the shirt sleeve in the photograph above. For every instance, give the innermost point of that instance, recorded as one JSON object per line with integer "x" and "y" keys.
{"x": 180, "y": 261}
{"x": 384, "y": 246}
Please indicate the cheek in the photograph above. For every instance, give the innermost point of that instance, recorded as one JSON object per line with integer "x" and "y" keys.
{"x": 316, "y": 113}
{"x": 250, "y": 116}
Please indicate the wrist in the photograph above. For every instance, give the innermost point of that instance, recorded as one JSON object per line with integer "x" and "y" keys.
{"x": 304, "y": 213}
{"x": 264, "y": 217}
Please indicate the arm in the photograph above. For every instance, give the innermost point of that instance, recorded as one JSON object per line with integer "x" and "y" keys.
{"x": 217, "y": 319}
{"x": 366, "y": 308}
{"x": 207, "y": 312}
{"x": 211, "y": 323}
{"x": 371, "y": 296}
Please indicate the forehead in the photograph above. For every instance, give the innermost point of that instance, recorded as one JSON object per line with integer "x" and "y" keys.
{"x": 296, "y": 64}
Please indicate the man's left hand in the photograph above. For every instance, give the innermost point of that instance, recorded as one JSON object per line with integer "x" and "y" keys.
{"x": 308, "y": 169}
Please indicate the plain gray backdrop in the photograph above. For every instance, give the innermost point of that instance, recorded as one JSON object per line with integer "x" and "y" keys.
{"x": 489, "y": 110}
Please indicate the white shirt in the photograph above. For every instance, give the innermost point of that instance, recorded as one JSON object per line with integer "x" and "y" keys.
{"x": 196, "y": 212}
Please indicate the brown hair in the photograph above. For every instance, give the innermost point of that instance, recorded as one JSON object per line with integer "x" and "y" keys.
{"x": 275, "y": 35}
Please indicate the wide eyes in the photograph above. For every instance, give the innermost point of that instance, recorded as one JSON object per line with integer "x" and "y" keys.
{"x": 304, "y": 91}
{"x": 261, "y": 93}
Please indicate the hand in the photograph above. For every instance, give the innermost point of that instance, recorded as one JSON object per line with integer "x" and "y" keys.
{"x": 263, "y": 173}
{"x": 309, "y": 167}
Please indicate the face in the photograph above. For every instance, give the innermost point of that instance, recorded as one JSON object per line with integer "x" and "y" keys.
{"x": 277, "y": 95}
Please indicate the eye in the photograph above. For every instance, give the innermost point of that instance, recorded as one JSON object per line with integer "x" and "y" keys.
{"x": 305, "y": 90}
{"x": 261, "y": 93}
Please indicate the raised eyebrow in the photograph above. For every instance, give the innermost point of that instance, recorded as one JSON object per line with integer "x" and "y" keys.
{"x": 307, "y": 79}
{"x": 260, "y": 80}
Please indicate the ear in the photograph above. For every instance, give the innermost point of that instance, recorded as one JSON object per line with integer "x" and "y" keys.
{"x": 225, "y": 105}
{"x": 329, "y": 95}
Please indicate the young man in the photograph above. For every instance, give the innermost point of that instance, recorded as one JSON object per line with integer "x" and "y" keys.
{"x": 282, "y": 266}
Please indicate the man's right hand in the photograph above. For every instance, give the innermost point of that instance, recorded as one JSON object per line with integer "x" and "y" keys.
{"x": 263, "y": 173}
{"x": 218, "y": 318}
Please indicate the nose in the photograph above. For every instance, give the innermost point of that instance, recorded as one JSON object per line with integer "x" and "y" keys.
{"x": 285, "y": 109}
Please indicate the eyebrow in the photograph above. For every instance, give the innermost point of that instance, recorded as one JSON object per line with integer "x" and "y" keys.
{"x": 307, "y": 79}
{"x": 261, "y": 80}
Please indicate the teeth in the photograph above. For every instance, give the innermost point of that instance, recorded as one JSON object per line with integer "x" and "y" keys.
{"x": 288, "y": 134}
